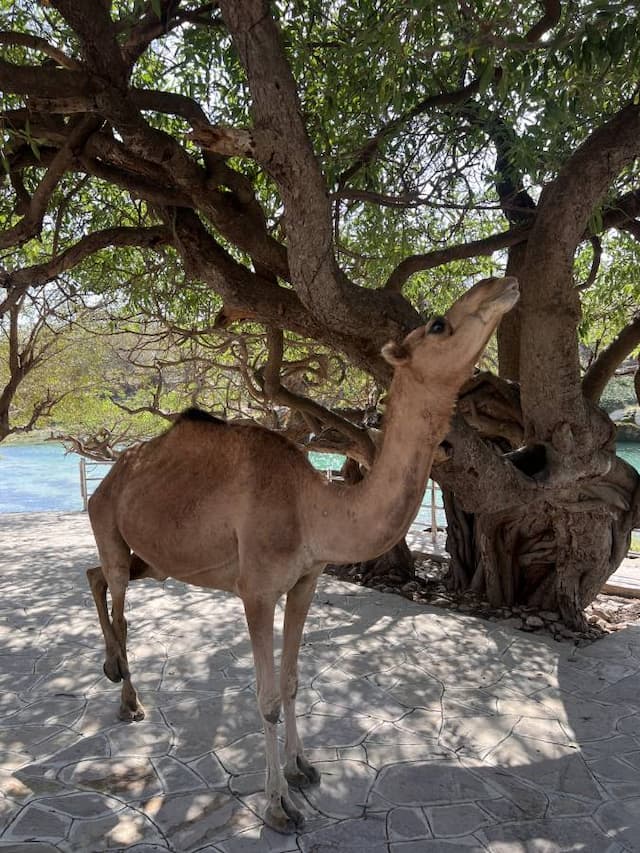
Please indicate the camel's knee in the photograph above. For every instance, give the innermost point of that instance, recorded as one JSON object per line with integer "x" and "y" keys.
{"x": 96, "y": 579}
{"x": 270, "y": 708}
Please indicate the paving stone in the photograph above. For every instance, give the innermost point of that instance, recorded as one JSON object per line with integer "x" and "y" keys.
{"x": 475, "y": 734}
{"x": 36, "y": 821}
{"x": 96, "y": 746}
{"x": 468, "y": 845}
{"x": 548, "y": 836}
{"x": 560, "y": 805}
{"x": 343, "y": 790}
{"x": 27, "y": 847}
{"x": 422, "y": 783}
{"x": 360, "y": 695}
{"x": 547, "y": 730}
{"x": 318, "y": 729}
{"x": 502, "y": 809}
{"x": 139, "y": 739}
{"x": 349, "y": 835}
{"x": 621, "y": 821}
{"x": 199, "y": 727}
{"x": 405, "y": 824}
{"x": 566, "y": 774}
{"x": 117, "y": 831}
{"x": 210, "y": 769}
{"x": 525, "y": 796}
{"x": 247, "y": 783}
{"x": 611, "y": 769}
{"x": 633, "y": 758}
{"x": 380, "y": 755}
{"x": 128, "y": 778}
{"x": 448, "y": 821}
{"x": 630, "y": 725}
{"x": 586, "y": 721}
{"x": 422, "y": 722}
{"x": 383, "y": 670}
{"x": 244, "y": 755}
{"x": 259, "y": 839}
{"x": 191, "y": 820}
{"x": 466, "y": 702}
{"x": 416, "y": 689}
{"x": 84, "y": 805}
{"x": 621, "y": 745}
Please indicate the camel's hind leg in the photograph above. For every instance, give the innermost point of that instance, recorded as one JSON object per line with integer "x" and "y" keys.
{"x": 114, "y": 630}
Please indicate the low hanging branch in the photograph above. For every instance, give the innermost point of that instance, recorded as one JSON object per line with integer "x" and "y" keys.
{"x": 361, "y": 447}
{"x": 486, "y": 246}
{"x": 604, "y": 366}
{"x": 595, "y": 264}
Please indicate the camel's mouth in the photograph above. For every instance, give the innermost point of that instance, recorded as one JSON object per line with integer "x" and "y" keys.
{"x": 502, "y": 299}
{"x": 510, "y": 293}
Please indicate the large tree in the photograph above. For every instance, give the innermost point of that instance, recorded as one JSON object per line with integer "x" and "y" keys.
{"x": 332, "y": 169}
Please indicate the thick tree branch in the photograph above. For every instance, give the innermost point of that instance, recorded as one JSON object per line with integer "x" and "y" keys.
{"x": 361, "y": 446}
{"x": 31, "y": 222}
{"x": 552, "y": 12}
{"x": 39, "y": 44}
{"x": 17, "y": 282}
{"x": 91, "y": 22}
{"x": 284, "y": 149}
{"x": 371, "y": 147}
{"x": 549, "y": 298}
{"x": 604, "y": 366}
{"x": 486, "y": 246}
{"x": 44, "y": 82}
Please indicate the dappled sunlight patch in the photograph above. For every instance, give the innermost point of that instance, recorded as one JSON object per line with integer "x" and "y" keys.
{"x": 191, "y": 820}
{"x": 476, "y": 735}
{"x": 122, "y": 829}
{"x": 568, "y": 834}
{"x": 344, "y": 789}
{"x": 128, "y": 778}
{"x": 244, "y": 755}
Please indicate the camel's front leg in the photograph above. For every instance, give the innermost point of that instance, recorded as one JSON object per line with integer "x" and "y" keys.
{"x": 116, "y": 666}
{"x": 280, "y": 814}
{"x": 297, "y": 769}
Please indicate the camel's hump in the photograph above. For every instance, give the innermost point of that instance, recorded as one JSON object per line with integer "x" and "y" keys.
{"x": 195, "y": 414}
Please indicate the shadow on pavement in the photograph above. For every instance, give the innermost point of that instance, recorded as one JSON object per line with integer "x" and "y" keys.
{"x": 434, "y": 731}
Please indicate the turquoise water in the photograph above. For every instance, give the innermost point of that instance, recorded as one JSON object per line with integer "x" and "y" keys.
{"x": 37, "y": 477}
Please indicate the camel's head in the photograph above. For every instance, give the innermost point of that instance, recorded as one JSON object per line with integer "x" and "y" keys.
{"x": 449, "y": 346}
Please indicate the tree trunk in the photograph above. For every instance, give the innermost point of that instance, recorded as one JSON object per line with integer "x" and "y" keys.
{"x": 554, "y": 552}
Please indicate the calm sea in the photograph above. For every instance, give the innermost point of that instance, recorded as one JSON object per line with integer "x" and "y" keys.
{"x": 37, "y": 477}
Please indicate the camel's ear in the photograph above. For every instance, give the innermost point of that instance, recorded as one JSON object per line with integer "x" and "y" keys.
{"x": 399, "y": 354}
{"x": 396, "y": 354}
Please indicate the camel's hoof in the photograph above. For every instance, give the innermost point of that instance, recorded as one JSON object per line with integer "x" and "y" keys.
{"x": 131, "y": 715}
{"x": 284, "y": 817}
{"x": 301, "y": 774}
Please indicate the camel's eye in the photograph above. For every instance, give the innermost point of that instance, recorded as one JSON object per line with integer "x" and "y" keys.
{"x": 438, "y": 326}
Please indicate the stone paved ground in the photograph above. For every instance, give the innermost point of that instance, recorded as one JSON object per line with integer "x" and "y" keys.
{"x": 434, "y": 731}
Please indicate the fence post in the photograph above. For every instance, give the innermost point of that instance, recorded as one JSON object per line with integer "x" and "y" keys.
{"x": 434, "y": 516}
{"x": 83, "y": 483}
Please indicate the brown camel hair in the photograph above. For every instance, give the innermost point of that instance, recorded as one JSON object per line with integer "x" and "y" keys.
{"x": 240, "y": 508}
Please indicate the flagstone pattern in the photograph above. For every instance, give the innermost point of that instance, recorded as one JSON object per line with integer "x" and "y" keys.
{"x": 434, "y": 731}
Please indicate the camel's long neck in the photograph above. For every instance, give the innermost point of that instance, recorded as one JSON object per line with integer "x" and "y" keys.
{"x": 356, "y": 523}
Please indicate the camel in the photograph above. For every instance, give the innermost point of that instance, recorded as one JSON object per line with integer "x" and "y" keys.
{"x": 240, "y": 508}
